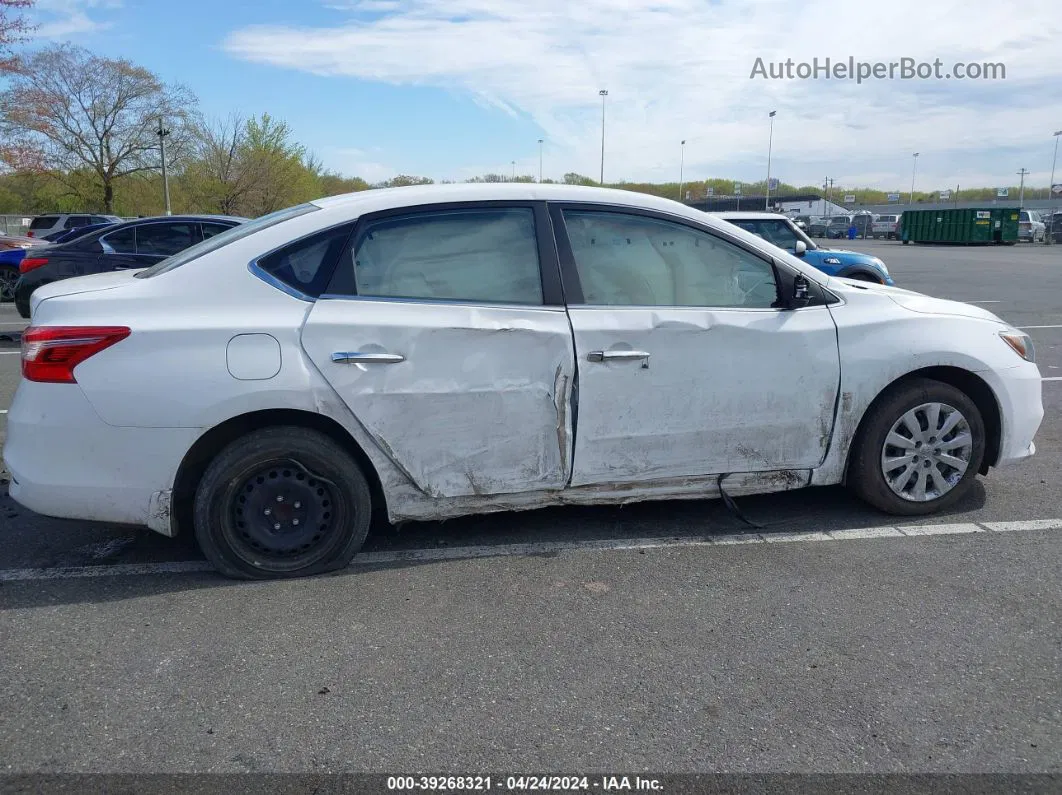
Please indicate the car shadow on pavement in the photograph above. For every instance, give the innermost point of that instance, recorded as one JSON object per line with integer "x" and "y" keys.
{"x": 807, "y": 510}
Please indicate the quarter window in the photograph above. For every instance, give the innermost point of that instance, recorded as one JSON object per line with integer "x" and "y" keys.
{"x": 306, "y": 265}
{"x": 487, "y": 255}
{"x": 629, "y": 260}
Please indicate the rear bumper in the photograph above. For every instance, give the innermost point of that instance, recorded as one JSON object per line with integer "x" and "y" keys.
{"x": 1019, "y": 392}
{"x": 66, "y": 462}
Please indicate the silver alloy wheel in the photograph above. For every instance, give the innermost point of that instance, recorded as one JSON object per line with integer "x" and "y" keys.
{"x": 926, "y": 452}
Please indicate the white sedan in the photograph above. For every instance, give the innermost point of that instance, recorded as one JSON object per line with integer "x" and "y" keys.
{"x": 428, "y": 352}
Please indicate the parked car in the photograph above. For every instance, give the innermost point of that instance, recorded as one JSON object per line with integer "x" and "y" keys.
{"x": 20, "y": 242}
{"x": 12, "y": 249}
{"x": 864, "y": 223}
{"x": 817, "y": 226}
{"x": 1053, "y": 226}
{"x": 780, "y": 231}
{"x": 127, "y": 246}
{"x": 837, "y": 227}
{"x": 1030, "y": 227}
{"x": 45, "y": 225}
{"x": 885, "y": 226}
{"x": 413, "y": 354}
{"x": 801, "y": 222}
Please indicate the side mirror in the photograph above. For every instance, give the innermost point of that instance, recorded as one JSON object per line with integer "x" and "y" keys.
{"x": 801, "y": 248}
{"x": 801, "y": 293}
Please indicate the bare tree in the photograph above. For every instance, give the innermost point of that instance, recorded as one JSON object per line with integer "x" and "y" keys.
{"x": 75, "y": 112}
{"x": 217, "y": 175}
{"x": 13, "y": 29}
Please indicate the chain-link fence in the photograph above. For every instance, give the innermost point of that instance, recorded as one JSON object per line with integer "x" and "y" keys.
{"x": 14, "y": 224}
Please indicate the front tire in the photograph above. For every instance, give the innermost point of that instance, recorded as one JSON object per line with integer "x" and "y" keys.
{"x": 282, "y": 502}
{"x": 919, "y": 449}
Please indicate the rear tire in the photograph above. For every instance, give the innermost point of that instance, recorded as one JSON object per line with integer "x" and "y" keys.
{"x": 8, "y": 277}
{"x": 876, "y": 466}
{"x": 282, "y": 502}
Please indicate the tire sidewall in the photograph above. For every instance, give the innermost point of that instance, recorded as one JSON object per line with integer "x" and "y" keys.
{"x": 220, "y": 484}
{"x": 866, "y": 475}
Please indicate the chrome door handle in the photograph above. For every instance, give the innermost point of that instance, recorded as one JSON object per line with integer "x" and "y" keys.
{"x": 357, "y": 357}
{"x": 619, "y": 356}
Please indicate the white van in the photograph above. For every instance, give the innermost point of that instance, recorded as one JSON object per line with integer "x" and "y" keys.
{"x": 885, "y": 226}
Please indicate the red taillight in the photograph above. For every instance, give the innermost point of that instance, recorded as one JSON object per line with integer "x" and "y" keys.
{"x": 29, "y": 263}
{"x": 50, "y": 353}
{"x": 29, "y": 233}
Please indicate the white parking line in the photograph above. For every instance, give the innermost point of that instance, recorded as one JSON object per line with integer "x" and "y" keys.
{"x": 1052, "y": 378}
{"x": 552, "y": 548}
{"x": 982, "y": 302}
{"x": 1025, "y": 328}
{"x": 10, "y": 353}
{"x": 3, "y": 411}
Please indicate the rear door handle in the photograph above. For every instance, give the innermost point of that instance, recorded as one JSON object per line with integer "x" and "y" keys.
{"x": 357, "y": 357}
{"x": 619, "y": 356}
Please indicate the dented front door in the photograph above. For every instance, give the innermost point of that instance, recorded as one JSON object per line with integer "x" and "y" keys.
{"x": 686, "y": 365}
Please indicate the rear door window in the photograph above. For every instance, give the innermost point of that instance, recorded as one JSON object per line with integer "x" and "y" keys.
{"x": 120, "y": 241}
{"x": 44, "y": 222}
{"x": 162, "y": 240}
{"x": 211, "y": 229}
{"x": 485, "y": 255}
{"x": 74, "y": 221}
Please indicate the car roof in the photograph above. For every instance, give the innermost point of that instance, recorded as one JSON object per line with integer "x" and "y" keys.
{"x": 749, "y": 216}
{"x": 185, "y": 218}
{"x": 368, "y": 201}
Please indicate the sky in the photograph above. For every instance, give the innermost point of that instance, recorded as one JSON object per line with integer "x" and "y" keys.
{"x": 454, "y": 88}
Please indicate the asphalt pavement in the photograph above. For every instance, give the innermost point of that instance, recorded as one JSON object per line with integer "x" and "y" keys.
{"x": 664, "y": 637}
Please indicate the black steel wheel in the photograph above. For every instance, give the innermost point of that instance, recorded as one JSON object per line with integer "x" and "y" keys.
{"x": 282, "y": 502}
{"x": 8, "y": 278}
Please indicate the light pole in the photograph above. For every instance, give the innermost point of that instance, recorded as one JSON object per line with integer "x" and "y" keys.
{"x": 162, "y": 132}
{"x": 602, "y": 93}
{"x": 914, "y": 166}
{"x": 514, "y": 172}
{"x": 770, "y": 141}
{"x": 682, "y": 161}
{"x": 1021, "y": 190}
{"x": 540, "y": 161}
{"x": 1051, "y": 187}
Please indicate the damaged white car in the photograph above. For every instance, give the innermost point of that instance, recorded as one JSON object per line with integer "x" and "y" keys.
{"x": 428, "y": 352}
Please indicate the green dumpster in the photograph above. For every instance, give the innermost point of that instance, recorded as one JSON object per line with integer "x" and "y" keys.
{"x": 967, "y": 226}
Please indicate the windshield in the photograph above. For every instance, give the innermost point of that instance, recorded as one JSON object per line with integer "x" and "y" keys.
{"x": 778, "y": 232}
{"x": 224, "y": 238}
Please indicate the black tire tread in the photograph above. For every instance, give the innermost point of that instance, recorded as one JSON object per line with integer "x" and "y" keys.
{"x": 263, "y": 443}
{"x": 864, "y": 469}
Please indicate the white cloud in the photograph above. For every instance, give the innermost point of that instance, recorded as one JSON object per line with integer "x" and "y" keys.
{"x": 680, "y": 69}
{"x": 359, "y": 163}
{"x": 64, "y": 19}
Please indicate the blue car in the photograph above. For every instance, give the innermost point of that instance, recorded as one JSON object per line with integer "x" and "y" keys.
{"x": 782, "y": 232}
{"x": 10, "y": 259}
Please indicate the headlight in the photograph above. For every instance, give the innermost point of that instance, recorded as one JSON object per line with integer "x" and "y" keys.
{"x": 1022, "y": 344}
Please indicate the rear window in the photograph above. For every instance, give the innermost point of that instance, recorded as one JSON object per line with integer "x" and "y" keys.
{"x": 44, "y": 222}
{"x": 224, "y": 238}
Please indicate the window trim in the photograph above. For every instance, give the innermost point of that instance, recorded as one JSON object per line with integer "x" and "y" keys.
{"x": 548, "y": 261}
{"x": 573, "y": 288}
